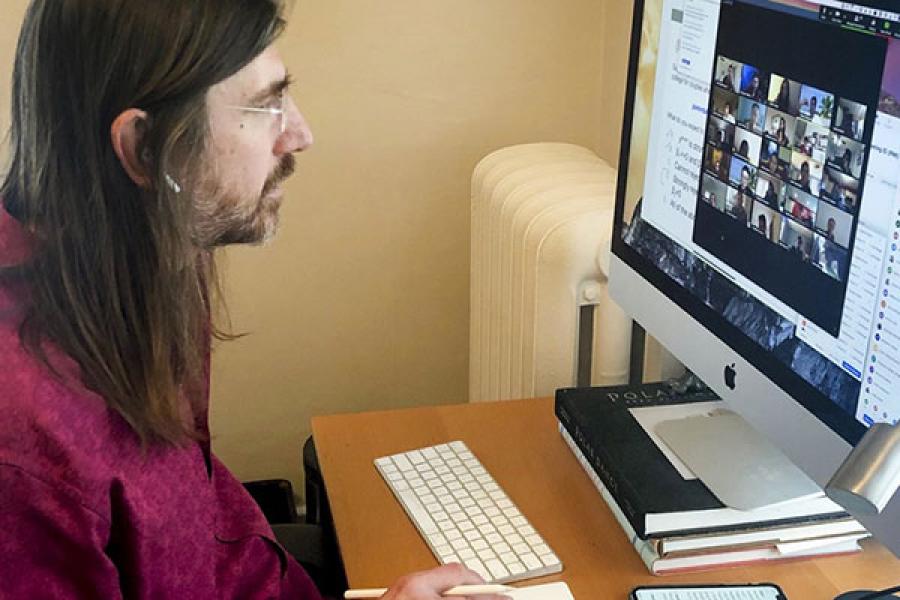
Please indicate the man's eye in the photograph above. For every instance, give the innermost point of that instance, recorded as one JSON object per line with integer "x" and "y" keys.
{"x": 271, "y": 103}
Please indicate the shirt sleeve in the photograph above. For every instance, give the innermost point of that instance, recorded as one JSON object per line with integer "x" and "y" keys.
{"x": 52, "y": 545}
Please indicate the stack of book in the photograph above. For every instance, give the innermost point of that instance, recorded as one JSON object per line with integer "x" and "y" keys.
{"x": 675, "y": 523}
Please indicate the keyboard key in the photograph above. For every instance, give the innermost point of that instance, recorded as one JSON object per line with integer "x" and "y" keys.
{"x": 549, "y": 559}
{"x": 531, "y": 561}
{"x": 486, "y": 554}
{"x": 498, "y": 571}
{"x": 402, "y": 462}
{"x": 477, "y": 566}
{"x": 460, "y": 544}
{"x": 516, "y": 568}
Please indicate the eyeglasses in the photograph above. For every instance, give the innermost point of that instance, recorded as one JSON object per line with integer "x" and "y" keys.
{"x": 279, "y": 110}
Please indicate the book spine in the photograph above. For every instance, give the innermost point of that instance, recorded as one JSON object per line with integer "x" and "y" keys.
{"x": 645, "y": 548}
{"x": 600, "y": 465}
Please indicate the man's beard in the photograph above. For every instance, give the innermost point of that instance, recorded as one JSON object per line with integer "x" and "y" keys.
{"x": 223, "y": 218}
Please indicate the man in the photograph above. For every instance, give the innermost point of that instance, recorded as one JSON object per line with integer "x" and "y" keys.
{"x": 753, "y": 122}
{"x": 803, "y": 180}
{"x": 727, "y": 113}
{"x": 730, "y": 80}
{"x": 813, "y": 107}
{"x": 761, "y": 225}
{"x": 144, "y": 135}
{"x": 797, "y": 249}
{"x": 738, "y": 210}
{"x": 745, "y": 185}
{"x": 830, "y": 226}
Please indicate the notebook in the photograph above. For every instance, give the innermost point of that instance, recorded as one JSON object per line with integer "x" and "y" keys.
{"x": 547, "y": 591}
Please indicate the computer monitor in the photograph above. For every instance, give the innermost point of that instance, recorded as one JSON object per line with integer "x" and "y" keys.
{"x": 758, "y": 216}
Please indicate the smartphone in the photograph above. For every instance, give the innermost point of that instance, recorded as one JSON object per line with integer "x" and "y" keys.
{"x": 749, "y": 591}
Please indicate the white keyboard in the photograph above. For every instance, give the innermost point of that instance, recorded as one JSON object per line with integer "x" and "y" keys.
{"x": 463, "y": 514}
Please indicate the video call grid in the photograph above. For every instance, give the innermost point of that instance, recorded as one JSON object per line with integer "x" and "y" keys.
{"x": 786, "y": 159}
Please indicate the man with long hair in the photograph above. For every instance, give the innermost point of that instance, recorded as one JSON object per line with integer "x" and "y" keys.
{"x": 144, "y": 136}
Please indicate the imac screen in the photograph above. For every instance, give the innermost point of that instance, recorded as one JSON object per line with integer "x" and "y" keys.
{"x": 762, "y": 152}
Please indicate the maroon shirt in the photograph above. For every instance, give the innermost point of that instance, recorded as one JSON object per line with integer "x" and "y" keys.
{"x": 84, "y": 513}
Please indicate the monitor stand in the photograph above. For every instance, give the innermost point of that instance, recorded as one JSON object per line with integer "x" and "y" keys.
{"x": 738, "y": 465}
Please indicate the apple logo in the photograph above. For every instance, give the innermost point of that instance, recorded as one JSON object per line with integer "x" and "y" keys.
{"x": 730, "y": 374}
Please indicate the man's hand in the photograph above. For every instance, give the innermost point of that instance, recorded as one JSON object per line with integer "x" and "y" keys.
{"x": 428, "y": 585}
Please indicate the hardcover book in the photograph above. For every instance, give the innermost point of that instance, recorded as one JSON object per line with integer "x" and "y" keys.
{"x": 721, "y": 557}
{"x": 654, "y": 497}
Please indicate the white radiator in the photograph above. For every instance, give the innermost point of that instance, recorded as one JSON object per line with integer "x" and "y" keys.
{"x": 541, "y": 229}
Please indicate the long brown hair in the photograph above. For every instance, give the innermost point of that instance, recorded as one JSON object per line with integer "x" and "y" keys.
{"x": 116, "y": 281}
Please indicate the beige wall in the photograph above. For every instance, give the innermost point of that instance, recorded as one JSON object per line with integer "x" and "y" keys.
{"x": 362, "y": 301}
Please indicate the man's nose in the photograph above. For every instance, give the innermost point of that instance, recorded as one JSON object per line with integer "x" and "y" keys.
{"x": 297, "y": 135}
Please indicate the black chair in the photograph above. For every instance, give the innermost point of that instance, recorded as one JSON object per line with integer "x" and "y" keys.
{"x": 313, "y": 542}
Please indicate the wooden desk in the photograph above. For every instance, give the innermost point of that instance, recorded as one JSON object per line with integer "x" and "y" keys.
{"x": 519, "y": 444}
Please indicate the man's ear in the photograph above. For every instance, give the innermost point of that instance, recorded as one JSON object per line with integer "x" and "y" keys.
{"x": 126, "y": 134}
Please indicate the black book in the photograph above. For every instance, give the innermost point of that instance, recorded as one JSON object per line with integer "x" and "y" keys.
{"x": 655, "y": 499}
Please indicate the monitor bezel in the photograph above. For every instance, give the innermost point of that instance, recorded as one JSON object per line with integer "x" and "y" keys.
{"x": 815, "y": 402}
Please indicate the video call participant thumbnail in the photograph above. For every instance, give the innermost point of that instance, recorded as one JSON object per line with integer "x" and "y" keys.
{"x": 780, "y": 127}
{"x": 800, "y": 206}
{"x": 784, "y": 95}
{"x": 834, "y": 224}
{"x": 728, "y": 73}
{"x": 724, "y": 105}
{"x": 770, "y": 190}
{"x": 713, "y": 192}
{"x": 796, "y": 239}
{"x": 777, "y": 163}
{"x": 754, "y": 83}
{"x": 829, "y": 257}
{"x": 766, "y": 221}
{"x": 718, "y": 162}
{"x": 719, "y": 133}
{"x": 846, "y": 154}
{"x": 747, "y": 146}
{"x": 742, "y": 175}
{"x": 751, "y": 115}
{"x": 811, "y": 139}
{"x": 816, "y": 105}
{"x": 806, "y": 173}
{"x": 840, "y": 189}
{"x": 738, "y": 205}
{"x": 850, "y": 119}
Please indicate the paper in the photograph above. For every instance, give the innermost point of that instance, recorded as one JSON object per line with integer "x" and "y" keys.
{"x": 548, "y": 591}
{"x": 650, "y": 416}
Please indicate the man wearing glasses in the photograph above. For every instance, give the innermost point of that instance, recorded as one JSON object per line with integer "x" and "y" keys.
{"x": 144, "y": 136}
